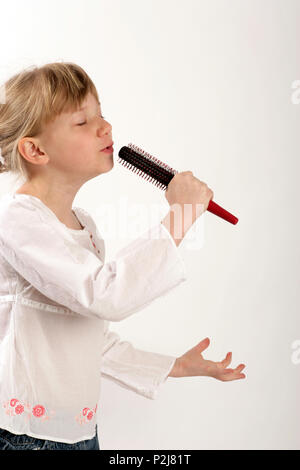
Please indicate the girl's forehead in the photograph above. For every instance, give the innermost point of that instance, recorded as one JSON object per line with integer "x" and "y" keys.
{"x": 70, "y": 111}
{"x": 90, "y": 100}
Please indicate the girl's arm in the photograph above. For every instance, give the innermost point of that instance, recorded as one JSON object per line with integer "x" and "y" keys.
{"x": 41, "y": 249}
{"x": 134, "y": 369}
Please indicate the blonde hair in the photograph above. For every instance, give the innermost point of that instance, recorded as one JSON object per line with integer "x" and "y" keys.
{"x": 34, "y": 97}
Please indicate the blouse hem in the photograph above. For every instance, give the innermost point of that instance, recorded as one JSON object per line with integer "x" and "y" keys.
{"x": 47, "y": 438}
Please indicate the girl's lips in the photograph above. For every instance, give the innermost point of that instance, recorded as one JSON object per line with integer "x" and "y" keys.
{"x": 108, "y": 149}
{"x": 112, "y": 143}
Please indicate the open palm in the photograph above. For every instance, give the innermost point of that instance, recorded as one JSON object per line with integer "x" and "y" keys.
{"x": 194, "y": 364}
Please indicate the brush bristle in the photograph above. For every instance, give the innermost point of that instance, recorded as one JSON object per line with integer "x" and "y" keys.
{"x": 147, "y": 166}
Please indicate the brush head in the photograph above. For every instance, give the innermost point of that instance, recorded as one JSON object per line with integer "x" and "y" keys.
{"x": 147, "y": 166}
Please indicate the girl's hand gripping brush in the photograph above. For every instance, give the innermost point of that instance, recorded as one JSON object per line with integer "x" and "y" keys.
{"x": 160, "y": 174}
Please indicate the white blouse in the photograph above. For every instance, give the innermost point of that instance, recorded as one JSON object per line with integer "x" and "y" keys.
{"x": 57, "y": 297}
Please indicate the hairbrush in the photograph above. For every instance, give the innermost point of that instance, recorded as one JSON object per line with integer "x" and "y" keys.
{"x": 160, "y": 174}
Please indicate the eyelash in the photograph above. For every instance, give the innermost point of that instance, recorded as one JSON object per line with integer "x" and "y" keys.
{"x": 82, "y": 123}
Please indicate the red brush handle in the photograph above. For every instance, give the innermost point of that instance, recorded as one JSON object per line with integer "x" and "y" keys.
{"x": 219, "y": 211}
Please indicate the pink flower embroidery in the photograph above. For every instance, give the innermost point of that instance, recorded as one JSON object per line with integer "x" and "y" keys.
{"x": 16, "y": 407}
{"x": 38, "y": 411}
{"x": 86, "y": 415}
{"x": 90, "y": 415}
{"x": 19, "y": 409}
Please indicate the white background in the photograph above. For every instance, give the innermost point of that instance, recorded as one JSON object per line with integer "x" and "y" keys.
{"x": 204, "y": 86}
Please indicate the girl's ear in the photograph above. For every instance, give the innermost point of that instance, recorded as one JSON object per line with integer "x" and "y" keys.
{"x": 31, "y": 151}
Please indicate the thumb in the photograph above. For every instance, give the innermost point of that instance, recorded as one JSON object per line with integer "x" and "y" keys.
{"x": 203, "y": 344}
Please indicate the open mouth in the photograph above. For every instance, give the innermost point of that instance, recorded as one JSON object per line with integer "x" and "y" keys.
{"x": 108, "y": 149}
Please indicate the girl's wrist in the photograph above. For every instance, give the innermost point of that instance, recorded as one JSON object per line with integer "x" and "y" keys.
{"x": 178, "y": 369}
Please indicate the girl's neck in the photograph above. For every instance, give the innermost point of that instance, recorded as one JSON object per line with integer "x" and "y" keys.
{"x": 67, "y": 217}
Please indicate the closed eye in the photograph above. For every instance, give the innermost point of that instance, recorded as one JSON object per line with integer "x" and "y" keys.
{"x": 82, "y": 123}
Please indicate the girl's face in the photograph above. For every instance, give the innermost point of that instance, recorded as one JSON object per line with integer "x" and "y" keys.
{"x": 74, "y": 142}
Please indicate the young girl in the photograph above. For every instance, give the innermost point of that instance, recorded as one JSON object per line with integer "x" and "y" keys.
{"x": 57, "y": 293}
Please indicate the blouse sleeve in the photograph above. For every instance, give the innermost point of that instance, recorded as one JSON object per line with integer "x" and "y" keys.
{"x": 49, "y": 258}
{"x": 142, "y": 372}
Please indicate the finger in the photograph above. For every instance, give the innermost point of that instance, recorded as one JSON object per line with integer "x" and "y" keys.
{"x": 227, "y": 359}
{"x": 227, "y": 378}
{"x": 235, "y": 371}
{"x": 240, "y": 376}
{"x": 203, "y": 344}
{"x": 240, "y": 367}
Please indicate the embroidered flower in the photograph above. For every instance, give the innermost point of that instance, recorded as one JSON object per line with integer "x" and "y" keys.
{"x": 38, "y": 411}
{"x": 86, "y": 415}
{"x": 24, "y": 408}
{"x": 90, "y": 415}
{"x": 13, "y": 402}
{"x": 19, "y": 409}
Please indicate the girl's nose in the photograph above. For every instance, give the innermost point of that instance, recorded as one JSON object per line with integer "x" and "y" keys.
{"x": 104, "y": 127}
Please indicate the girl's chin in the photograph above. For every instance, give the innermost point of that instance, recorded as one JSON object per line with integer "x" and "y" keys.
{"x": 108, "y": 167}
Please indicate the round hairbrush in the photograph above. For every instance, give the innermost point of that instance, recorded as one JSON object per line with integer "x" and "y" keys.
{"x": 160, "y": 174}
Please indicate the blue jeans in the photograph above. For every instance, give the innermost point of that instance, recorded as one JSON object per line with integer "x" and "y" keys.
{"x": 9, "y": 441}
